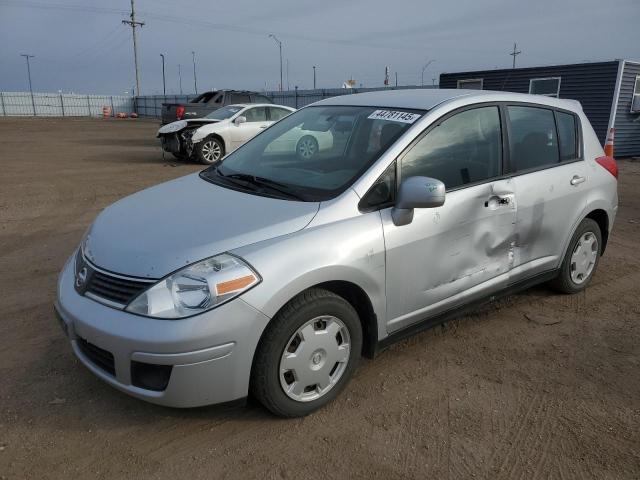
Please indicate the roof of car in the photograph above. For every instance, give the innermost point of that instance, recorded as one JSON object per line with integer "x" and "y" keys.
{"x": 428, "y": 98}
{"x": 243, "y": 105}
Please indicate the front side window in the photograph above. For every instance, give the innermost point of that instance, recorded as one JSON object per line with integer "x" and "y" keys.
{"x": 465, "y": 148}
{"x": 549, "y": 87}
{"x": 256, "y": 114}
{"x": 567, "y": 136}
{"x": 314, "y": 153}
{"x": 532, "y": 138}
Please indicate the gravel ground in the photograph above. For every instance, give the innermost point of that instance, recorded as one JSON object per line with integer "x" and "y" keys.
{"x": 537, "y": 385}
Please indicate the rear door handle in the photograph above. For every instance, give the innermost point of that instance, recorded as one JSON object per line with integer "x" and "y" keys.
{"x": 264, "y": 126}
{"x": 576, "y": 180}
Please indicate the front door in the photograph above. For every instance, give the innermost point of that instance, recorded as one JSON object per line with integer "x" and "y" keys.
{"x": 256, "y": 122}
{"x": 448, "y": 255}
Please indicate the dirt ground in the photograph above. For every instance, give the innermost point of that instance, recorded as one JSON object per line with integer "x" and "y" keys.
{"x": 536, "y": 386}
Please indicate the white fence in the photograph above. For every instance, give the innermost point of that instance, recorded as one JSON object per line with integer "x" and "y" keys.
{"x": 62, "y": 104}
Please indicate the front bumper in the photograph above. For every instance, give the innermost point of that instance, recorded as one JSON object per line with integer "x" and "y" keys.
{"x": 209, "y": 356}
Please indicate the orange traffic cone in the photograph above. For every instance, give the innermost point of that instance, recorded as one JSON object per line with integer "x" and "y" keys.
{"x": 608, "y": 145}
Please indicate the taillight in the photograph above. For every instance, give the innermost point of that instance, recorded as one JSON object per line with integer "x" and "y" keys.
{"x": 180, "y": 112}
{"x": 609, "y": 164}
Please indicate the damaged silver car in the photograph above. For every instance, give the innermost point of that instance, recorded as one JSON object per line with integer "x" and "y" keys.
{"x": 286, "y": 268}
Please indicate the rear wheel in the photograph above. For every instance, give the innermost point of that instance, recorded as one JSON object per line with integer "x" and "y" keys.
{"x": 210, "y": 150}
{"x": 307, "y": 355}
{"x": 307, "y": 147}
{"x": 581, "y": 259}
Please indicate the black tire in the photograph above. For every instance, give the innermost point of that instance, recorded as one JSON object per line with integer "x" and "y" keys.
{"x": 307, "y": 147}
{"x": 205, "y": 151}
{"x": 265, "y": 376}
{"x": 563, "y": 282}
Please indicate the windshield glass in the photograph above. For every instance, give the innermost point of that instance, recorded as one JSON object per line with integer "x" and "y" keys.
{"x": 317, "y": 152}
{"x": 224, "y": 112}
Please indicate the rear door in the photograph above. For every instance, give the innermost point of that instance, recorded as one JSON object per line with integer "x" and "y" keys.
{"x": 451, "y": 254}
{"x": 551, "y": 182}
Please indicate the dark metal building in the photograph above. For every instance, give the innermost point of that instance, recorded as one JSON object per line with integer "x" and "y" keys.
{"x": 608, "y": 91}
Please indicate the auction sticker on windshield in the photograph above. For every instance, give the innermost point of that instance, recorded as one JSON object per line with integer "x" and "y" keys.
{"x": 403, "y": 117}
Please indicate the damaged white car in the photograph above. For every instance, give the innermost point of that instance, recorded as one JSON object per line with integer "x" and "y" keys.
{"x": 209, "y": 138}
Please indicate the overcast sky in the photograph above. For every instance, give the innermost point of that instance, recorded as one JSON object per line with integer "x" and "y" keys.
{"x": 82, "y": 46}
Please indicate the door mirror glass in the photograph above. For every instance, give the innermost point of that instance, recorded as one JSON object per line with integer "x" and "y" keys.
{"x": 240, "y": 120}
{"x": 416, "y": 192}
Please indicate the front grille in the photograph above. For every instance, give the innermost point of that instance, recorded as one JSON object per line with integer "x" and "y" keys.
{"x": 115, "y": 289}
{"x": 99, "y": 357}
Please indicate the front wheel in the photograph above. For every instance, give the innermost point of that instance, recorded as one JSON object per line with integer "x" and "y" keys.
{"x": 209, "y": 151}
{"x": 581, "y": 259}
{"x": 307, "y": 355}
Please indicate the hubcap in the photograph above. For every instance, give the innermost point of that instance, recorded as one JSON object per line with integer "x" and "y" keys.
{"x": 584, "y": 258}
{"x": 307, "y": 148}
{"x": 315, "y": 358}
{"x": 211, "y": 151}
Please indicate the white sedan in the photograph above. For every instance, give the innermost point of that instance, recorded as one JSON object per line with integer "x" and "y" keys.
{"x": 234, "y": 125}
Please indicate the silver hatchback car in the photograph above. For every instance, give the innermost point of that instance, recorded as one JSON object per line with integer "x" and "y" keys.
{"x": 272, "y": 272}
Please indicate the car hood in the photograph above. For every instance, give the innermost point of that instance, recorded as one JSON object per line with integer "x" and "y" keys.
{"x": 159, "y": 230}
{"x": 180, "y": 124}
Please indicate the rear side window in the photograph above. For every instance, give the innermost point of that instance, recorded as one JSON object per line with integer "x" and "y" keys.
{"x": 238, "y": 98}
{"x": 567, "y": 136}
{"x": 256, "y": 114}
{"x": 465, "y": 148}
{"x": 532, "y": 138}
{"x": 276, "y": 114}
{"x": 261, "y": 99}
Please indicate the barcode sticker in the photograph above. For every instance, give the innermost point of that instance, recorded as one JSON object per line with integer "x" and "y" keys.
{"x": 403, "y": 117}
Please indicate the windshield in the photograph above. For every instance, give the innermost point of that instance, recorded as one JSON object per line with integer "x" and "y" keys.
{"x": 317, "y": 152}
{"x": 224, "y": 112}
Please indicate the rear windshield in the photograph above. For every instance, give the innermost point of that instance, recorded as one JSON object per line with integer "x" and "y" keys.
{"x": 317, "y": 152}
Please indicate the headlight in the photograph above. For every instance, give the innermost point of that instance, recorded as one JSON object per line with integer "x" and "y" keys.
{"x": 196, "y": 288}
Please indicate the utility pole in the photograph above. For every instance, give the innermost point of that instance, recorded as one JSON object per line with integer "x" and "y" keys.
{"x": 180, "y": 78}
{"x": 27, "y": 57}
{"x": 288, "y": 87}
{"x": 195, "y": 82}
{"x": 133, "y": 24}
{"x": 164, "y": 85}
{"x": 396, "y": 79}
{"x": 314, "y": 77}
{"x": 271, "y": 35}
{"x": 423, "y": 69}
{"x": 515, "y": 53}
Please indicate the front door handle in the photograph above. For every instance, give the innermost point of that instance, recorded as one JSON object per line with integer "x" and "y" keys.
{"x": 264, "y": 126}
{"x": 576, "y": 180}
{"x": 496, "y": 201}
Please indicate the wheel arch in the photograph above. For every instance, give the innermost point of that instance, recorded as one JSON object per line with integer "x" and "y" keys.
{"x": 601, "y": 217}
{"x": 358, "y": 299}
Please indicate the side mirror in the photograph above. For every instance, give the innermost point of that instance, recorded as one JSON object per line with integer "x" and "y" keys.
{"x": 416, "y": 192}
{"x": 240, "y": 120}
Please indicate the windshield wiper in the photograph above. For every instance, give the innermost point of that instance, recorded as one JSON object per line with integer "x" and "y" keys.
{"x": 262, "y": 182}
